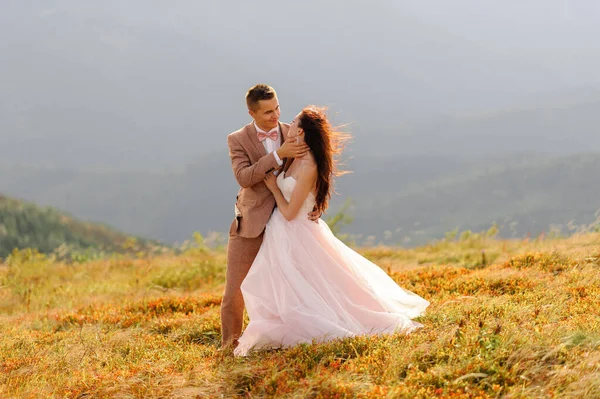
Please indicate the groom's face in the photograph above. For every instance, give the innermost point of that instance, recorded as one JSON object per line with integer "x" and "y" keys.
{"x": 267, "y": 114}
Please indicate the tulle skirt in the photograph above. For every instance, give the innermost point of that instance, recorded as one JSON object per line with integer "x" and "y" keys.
{"x": 307, "y": 285}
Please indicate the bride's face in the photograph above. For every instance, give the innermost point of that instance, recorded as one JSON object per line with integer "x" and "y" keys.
{"x": 295, "y": 131}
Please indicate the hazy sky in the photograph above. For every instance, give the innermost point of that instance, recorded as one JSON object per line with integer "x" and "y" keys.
{"x": 154, "y": 83}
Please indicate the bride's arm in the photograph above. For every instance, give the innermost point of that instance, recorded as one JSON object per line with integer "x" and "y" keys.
{"x": 304, "y": 185}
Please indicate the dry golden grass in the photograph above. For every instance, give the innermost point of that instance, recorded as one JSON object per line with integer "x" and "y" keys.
{"x": 521, "y": 321}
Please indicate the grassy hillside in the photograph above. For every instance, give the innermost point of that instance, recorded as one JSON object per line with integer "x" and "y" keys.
{"x": 26, "y": 225}
{"x": 512, "y": 319}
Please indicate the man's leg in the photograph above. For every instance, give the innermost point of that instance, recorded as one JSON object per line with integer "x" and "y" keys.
{"x": 240, "y": 255}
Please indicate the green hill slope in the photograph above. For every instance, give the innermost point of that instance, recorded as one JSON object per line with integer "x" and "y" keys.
{"x": 26, "y": 225}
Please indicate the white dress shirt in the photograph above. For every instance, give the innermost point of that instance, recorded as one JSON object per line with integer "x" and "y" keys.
{"x": 271, "y": 145}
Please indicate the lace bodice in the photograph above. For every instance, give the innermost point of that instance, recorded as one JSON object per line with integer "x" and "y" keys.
{"x": 286, "y": 185}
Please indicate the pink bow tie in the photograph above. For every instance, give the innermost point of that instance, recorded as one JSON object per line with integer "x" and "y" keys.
{"x": 273, "y": 134}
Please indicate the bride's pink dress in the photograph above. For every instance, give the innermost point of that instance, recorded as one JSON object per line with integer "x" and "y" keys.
{"x": 306, "y": 284}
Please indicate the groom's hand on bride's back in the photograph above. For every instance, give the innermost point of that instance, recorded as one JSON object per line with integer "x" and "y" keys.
{"x": 292, "y": 149}
{"x": 314, "y": 216}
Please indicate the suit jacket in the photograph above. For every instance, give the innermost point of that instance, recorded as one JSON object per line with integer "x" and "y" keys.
{"x": 251, "y": 164}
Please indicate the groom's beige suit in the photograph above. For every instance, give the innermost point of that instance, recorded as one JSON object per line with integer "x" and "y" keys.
{"x": 251, "y": 163}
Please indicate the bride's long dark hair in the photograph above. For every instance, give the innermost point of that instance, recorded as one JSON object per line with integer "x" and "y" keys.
{"x": 326, "y": 144}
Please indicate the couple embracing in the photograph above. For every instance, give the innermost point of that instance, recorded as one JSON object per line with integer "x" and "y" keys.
{"x": 298, "y": 282}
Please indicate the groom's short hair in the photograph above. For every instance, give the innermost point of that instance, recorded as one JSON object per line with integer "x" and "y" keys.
{"x": 258, "y": 93}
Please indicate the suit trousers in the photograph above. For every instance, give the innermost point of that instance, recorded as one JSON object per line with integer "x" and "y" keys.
{"x": 241, "y": 253}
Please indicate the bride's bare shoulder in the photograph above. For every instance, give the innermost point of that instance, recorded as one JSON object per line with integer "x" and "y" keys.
{"x": 308, "y": 161}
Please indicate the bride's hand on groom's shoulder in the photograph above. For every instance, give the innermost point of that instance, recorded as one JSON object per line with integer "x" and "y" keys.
{"x": 271, "y": 182}
{"x": 292, "y": 149}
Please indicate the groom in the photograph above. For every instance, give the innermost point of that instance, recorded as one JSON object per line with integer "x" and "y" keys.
{"x": 256, "y": 150}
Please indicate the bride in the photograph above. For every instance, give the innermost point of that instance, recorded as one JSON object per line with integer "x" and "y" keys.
{"x": 305, "y": 284}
